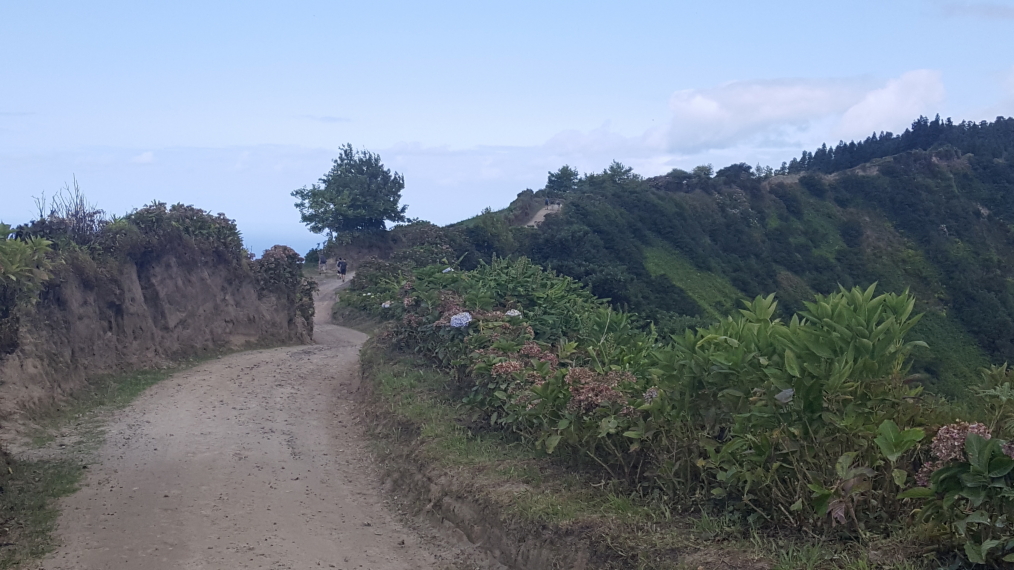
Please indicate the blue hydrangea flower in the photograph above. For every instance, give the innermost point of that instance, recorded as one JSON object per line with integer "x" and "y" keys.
{"x": 448, "y": 270}
{"x": 461, "y": 320}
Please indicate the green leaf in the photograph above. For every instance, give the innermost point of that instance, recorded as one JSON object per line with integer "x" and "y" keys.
{"x": 974, "y": 553}
{"x": 890, "y": 441}
{"x": 916, "y": 493}
{"x": 978, "y": 517}
{"x": 797, "y": 506}
{"x": 978, "y": 450}
{"x": 1000, "y": 466}
{"x": 899, "y": 476}
{"x": 820, "y": 504}
{"x": 987, "y": 546}
{"x": 564, "y": 423}
{"x": 843, "y": 464}
{"x": 914, "y": 435}
{"x": 551, "y": 443}
{"x": 791, "y": 364}
{"x": 500, "y": 394}
{"x": 890, "y": 430}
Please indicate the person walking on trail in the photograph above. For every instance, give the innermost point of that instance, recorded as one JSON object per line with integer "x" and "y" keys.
{"x": 321, "y": 264}
{"x": 342, "y": 267}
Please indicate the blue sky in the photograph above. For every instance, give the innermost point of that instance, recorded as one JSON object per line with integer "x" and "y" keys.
{"x": 231, "y": 105}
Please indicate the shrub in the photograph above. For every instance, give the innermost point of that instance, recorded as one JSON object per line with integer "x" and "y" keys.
{"x": 808, "y": 423}
{"x": 24, "y": 268}
{"x": 280, "y": 269}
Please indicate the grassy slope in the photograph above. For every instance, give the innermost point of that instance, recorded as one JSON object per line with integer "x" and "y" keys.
{"x": 954, "y": 359}
{"x": 712, "y": 292}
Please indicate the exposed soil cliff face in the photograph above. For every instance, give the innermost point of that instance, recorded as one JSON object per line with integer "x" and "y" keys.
{"x": 136, "y": 316}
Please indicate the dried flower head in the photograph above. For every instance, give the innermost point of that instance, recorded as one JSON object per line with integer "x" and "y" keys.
{"x": 650, "y": 394}
{"x": 949, "y": 446}
{"x": 506, "y": 368}
{"x": 589, "y": 390}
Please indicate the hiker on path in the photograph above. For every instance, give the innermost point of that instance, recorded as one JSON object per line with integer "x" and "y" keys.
{"x": 342, "y": 267}
{"x": 321, "y": 264}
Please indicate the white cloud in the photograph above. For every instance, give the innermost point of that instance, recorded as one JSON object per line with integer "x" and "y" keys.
{"x": 723, "y": 116}
{"x": 894, "y": 106}
{"x": 144, "y": 158}
{"x": 764, "y": 117}
{"x": 984, "y": 10}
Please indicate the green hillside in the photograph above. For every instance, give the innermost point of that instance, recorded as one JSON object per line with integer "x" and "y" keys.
{"x": 916, "y": 221}
{"x": 930, "y": 211}
{"x": 715, "y": 295}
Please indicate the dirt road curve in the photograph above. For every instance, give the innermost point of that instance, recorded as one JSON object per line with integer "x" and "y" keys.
{"x": 254, "y": 460}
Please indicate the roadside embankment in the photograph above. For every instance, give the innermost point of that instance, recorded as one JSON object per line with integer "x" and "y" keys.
{"x": 150, "y": 289}
{"x": 526, "y": 509}
{"x": 141, "y": 317}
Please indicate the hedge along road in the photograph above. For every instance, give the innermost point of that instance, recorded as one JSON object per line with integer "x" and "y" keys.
{"x": 253, "y": 460}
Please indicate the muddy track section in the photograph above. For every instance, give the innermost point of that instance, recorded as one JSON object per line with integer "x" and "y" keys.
{"x": 254, "y": 460}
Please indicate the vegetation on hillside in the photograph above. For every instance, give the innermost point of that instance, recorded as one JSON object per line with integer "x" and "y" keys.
{"x": 808, "y": 422}
{"x": 985, "y": 140}
{"x": 678, "y": 250}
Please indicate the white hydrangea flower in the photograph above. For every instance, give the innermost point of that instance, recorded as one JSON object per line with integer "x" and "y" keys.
{"x": 386, "y": 305}
{"x": 448, "y": 270}
{"x": 513, "y": 313}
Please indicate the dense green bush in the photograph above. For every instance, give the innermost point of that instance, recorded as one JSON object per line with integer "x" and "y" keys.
{"x": 811, "y": 422}
{"x": 24, "y": 268}
{"x": 280, "y": 270}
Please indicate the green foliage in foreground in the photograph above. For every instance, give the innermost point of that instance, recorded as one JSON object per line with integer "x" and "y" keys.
{"x": 533, "y": 492}
{"x": 810, "y": 422}
{"x": 24, "y": 268}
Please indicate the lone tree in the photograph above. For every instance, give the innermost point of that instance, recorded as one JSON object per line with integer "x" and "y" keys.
{"x": 563, "y": 180}
{"x": 358, "y": 195}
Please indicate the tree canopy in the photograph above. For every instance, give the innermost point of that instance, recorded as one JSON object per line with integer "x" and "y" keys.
{"x": 357, "y": 195}
{"x": 563, "y": 180}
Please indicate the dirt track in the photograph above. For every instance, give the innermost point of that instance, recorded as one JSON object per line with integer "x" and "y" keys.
{"x": 253, "y": 460}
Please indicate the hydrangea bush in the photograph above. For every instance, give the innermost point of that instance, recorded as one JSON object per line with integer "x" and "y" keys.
{"x": 810, "y": 421}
